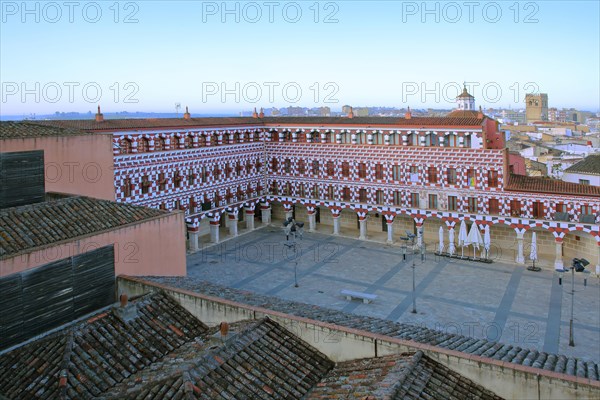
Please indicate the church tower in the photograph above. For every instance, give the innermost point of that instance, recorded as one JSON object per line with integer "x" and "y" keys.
{"x": 464, "y": 101}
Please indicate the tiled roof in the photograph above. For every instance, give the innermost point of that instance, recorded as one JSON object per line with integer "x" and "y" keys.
{"x": 154, "y": 349}
{"x": 405, "y": 376}
{"x": 462, "y": 114}
{"x": 262, "y": 361}
{"x": 26, "y": 227}
{"x": 87, "y": 358}
{"x": 412, "y": 122}
{"x": 534, "y": 184}
{"x": 589, "y": 165}
{"x": 164, "y": 123}
{"x": 149, "y": 123}
{"x": 26, "y": 129}
{"x": 481, "y": 347}
{"x": 465, "y": 94}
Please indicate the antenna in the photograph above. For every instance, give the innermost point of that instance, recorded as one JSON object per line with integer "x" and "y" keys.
{"x": 177, "y": 108}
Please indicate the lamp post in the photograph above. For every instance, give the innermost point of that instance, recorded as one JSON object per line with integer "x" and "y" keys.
{"x": 411, "y": 236}
{"x": 293, "y": 229}
{"x": 578, "y": 265}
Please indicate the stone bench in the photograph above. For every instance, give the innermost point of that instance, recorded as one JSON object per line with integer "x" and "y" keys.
{"x": 365, "y": 297}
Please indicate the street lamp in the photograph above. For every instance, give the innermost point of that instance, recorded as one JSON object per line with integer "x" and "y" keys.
{"x": 411, "y": 236}
{"x": 578, "y": 265}
{"x": 293, "y": 229}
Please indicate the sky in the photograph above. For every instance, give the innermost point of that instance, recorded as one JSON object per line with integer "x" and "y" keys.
{"x": 227, "y": 57}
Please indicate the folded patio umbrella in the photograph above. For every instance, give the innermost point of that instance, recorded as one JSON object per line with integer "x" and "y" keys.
{"x": 451, "y": 246}
{"x": 474, "y": 238}
{"x": 462, "y": 237}
{"x": 441, "y": 248}
{"x": 487, "y": 241}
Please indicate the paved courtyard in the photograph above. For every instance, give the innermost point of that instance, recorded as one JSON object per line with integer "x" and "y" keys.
{"x": 497, "y": 301}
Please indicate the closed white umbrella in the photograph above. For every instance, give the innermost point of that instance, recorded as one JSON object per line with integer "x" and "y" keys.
{"x": 462, "y": 237}
{"x": 451, "y": 246}
{"x": 441, "y": 248}
{"x": 474, "y": 238}
{"x": 487, "y": 241}
{"x": 533, "y": 255}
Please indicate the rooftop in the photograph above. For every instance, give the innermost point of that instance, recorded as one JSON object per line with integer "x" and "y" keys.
{"x": 27, "y": 227}
{"x": 152, "y": 348}
{"x": 85, "y": 359}
{"x": 405, "y": 376}
{"x": 524, "y": 183}
{"x": 482, "y": 347}
{"x": 166, "y": 123}
{"x": 27, "y": 129}
{"x": 589, "y": 165}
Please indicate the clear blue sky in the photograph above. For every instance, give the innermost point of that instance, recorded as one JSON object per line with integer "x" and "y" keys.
{"x": 388, "y": 53}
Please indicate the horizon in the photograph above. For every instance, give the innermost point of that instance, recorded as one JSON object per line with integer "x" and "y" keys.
{"x": 227, "y": 58}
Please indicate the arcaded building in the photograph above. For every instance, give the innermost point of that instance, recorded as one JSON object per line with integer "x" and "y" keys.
{"x": 349, "y": 174}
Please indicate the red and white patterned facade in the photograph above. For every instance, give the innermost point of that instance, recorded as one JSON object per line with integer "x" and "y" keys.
{"x": 445, "y": 168}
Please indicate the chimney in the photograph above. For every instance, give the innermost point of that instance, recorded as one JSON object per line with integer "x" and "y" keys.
{"x": 262, "y": 113}
{"x": 408, "y": 115}
{"x": 254, "y": 114}
{"x": 351, "y": 113}
{"x": 480, "y": 114}
{"x": 123, "y": 299}
{"x": 224, "y": 329}
{"x": 99, "y": 116}
{"x": 187, "y": 114}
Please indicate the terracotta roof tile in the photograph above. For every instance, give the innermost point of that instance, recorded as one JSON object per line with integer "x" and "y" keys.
{"x": 405, "y": 376}
{"x": 25, "y": 129}
{"x": 94, "y": 356}
{"x": 164, "y": 123}
{"x": 26, "y": 227}
{"x": 536, "y": 184}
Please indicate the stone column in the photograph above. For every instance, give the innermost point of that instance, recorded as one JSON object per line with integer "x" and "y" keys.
{"x": 265, "y": 212}
{"x": 558, "y": 260}
{"x": 336, "y": 224}
{"x": 312, "y": 221}
{"x": 390, "y": 230}
{"x": 249, "y": 218}
{"x": 214, "y": 231}
{"x": 193, "y": 237}
{"x": 598, "y": 263}
{"x": 520, "y": 259}
{"x": 419, "y": 235}
{"x": 233, "y": 224}
{"x": 363, "y": 228}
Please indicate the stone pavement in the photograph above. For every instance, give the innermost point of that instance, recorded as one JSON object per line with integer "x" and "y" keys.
{"x": 498, "y": 301}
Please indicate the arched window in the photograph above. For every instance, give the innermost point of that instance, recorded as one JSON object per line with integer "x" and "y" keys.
{"x": 361, "y": 138}
{"x": 274, "y": 135}
{"x": 467, "y": 142}
{"x": 450, "y": 140}
{"x": 143, "y": 145}
{"x": 412, "y": 139}
{"x": 125, "y": 146}
{"x": 188, "y": 142}
{"x": 346, "y": 137}
{"x": 201, "y": 140}
{"x": 159, "y": 144}
{"x": 431, "y": 139}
